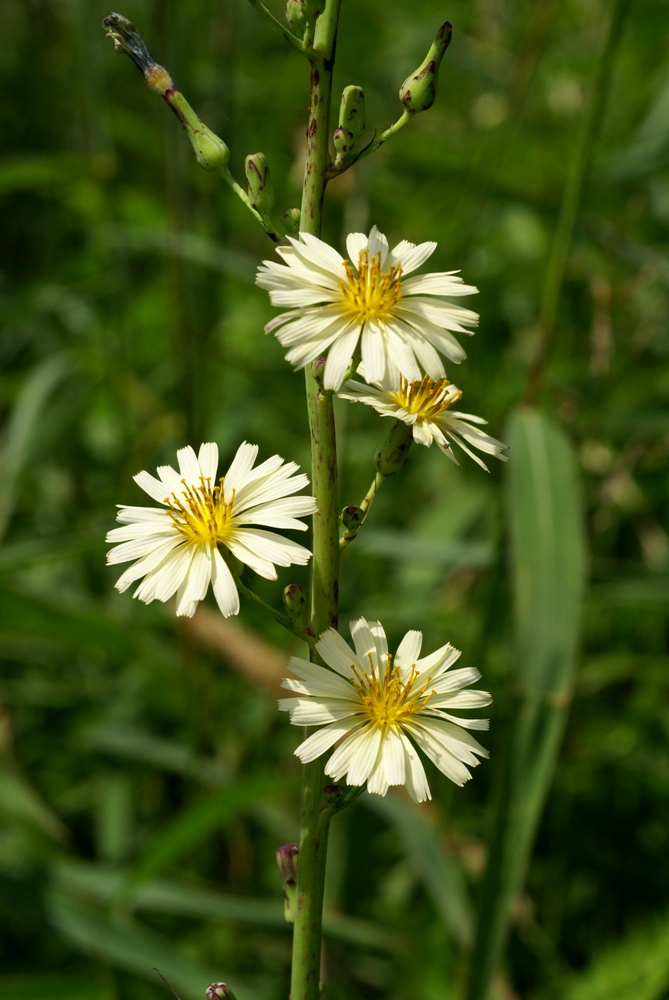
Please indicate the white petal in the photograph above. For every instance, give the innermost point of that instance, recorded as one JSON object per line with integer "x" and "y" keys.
{"x": 336, "y": 652}
{"x": 189, "y": 467}
{"x": 319, "y": 742}
{"x": 208, "y": 461}
{"x": 225, "y": 589}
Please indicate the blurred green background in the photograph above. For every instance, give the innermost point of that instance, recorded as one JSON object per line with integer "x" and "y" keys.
{"x": 146, "y": 777}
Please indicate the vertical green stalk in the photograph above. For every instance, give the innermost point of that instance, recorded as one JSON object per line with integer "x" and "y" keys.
{"x": 305, "y": 979}
{"x": 571, "y": 200}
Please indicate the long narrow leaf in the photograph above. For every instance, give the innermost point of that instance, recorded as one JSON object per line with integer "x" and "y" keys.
{"x": 548, "y": 568}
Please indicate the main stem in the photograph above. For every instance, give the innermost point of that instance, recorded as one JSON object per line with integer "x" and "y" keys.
{"x": 305, "y": 977}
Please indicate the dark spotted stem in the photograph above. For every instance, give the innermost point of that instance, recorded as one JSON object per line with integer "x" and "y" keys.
{"x": 305, "y": 977}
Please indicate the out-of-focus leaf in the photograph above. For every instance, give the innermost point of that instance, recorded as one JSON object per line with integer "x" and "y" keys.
{"x": 636, "y": 968}
{"x": 440, "y": 874}
{"x": 23, "y": 429}
{"x": 203, "y": 818}
{"x": 20, "y": 801}
{"x": 548, "y": 576}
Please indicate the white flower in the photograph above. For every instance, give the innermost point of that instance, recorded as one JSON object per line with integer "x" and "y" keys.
{"x": 334, "y": 303}
{"x": 371, "y": 705}
{"x": 177, "y": 549}
{"x": 425, "y": 406}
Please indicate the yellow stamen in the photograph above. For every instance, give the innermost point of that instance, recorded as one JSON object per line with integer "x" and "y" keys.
{"x": 200, "y": 513}
{"x": 370, "y": 293}
{"x": 427, "y": 399}
{"x": 387, "y": 701}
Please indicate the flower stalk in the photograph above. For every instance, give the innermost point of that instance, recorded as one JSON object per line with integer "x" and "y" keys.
{"x": 308, "y": 911}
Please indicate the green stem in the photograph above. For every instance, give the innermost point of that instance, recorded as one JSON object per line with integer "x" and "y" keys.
{"x": 376, "y": 484}
{"x": 372, "y": 147}
{"x": 571, "y": 199}
{"x": 281, "y": 28}
{"x": 273, "y": 613}
{"x": 305, "y": 979}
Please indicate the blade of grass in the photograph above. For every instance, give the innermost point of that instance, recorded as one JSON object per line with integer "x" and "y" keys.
{"x": 548, "y": 567}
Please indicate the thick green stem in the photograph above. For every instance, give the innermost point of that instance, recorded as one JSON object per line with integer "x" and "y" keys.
{"x": 305, "y": 980}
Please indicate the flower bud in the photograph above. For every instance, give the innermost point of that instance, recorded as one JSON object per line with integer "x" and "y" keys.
{"x": 259, "y": 183}
{"x": 352, "y": 517}
{"x": 291, "y": 220}
{"x": 286, "y": 858}
{"x": 352, "y": 111}
{"x": 210, "y": 151}
{"x": 296, "y": 17}
{"x": 219, "y": 990}
{"x": 343, "y": 141}
{"x": 393, "y": 453}
{"x": 419, "y": 90}
{"x": 295, "y": 603}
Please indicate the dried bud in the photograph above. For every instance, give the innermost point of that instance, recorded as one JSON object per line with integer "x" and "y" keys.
{"x": 394, "y": 451}
{"x": 126, "y": 38}
{"x": 259, "y": 183}
{"x": 419, "y": 90}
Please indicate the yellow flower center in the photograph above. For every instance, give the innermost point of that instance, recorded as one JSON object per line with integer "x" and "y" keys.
{"x": 200, "y": 513}
{"x": 427, "y": 399}
{"x": 387, "y": 701}
{"x": 370, "y": 293}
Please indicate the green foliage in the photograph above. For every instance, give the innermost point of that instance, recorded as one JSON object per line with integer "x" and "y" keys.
{"x": 145, "y": 778}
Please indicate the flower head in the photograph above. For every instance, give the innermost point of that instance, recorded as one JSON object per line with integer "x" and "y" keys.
{"x": 377, "y": 707}
{"x": 177, "y": 548}
{"x": 425, "y": 406}
{"x": 401, "y": 323}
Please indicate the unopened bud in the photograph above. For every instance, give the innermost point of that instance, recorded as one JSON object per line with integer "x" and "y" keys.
{"x": 259, "y": 183}
{"x": 210, "y": 151}
{"x": 286, "y": 858}
{"x": 352, "y": 111}
{"x": 291, "y": 220}
{"x": 294, "y": 597}
{"x": 419, "y": 90}
{"x": 352, "y": 517}
{"x": 343, "y": 141}
{"x": 340, "y": 796}
{"x": 219, "y": 990}
{"x": 295, "y": 603}
{"x": 295, "y": 16}
{"x": 393, "y": 453}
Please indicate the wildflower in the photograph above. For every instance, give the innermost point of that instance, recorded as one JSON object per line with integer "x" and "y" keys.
{"x": 335, "y": 304}
{"x": 377, "y": 708}
{"x": 177, "y": 548}
{"x": 425, "y": 406}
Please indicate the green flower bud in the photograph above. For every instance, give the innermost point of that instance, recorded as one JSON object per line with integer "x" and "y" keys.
{"x": 344, "y": 142}
{"x": 286, "y": 858}
{"x": 291, "y": 220}
{"x": 393, "y": 453}
{"x": 352, "y": 517}
{"x": 259, "y": 183}
{"x": 296, "y": 17}
{"x": 295, "y": 603}
{"x": 352, "y": 111}
{"x": 210, "y": 151}
{"x": 419, "y": 90}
